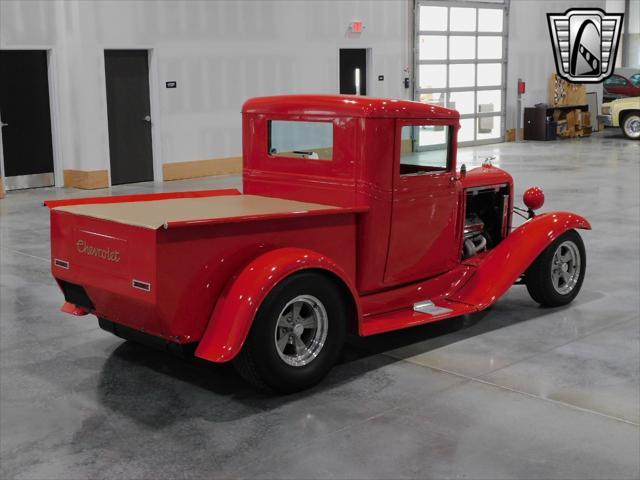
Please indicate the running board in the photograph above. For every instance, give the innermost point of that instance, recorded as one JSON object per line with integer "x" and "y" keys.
{"x": 422, "y": 312}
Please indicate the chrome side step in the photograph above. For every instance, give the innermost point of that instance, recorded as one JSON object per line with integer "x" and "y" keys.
{"x": 430, "y": 308}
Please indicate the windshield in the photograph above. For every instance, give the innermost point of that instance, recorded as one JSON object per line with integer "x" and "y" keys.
{"x": 635, "y": 79}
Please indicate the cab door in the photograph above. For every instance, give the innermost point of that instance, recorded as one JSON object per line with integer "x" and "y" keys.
{"x": 425, "y": 238}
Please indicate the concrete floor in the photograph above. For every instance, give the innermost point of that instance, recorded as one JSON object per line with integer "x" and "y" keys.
{"x": 515, "y": 392}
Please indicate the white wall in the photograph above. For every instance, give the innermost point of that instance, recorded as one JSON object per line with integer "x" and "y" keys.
{"x": 223, "y": 52}
{"x": 632, "y": 19}
{"x": 219, "y": 52}
{"x": 634, "y": 34}
{"x": 530, "y": 55}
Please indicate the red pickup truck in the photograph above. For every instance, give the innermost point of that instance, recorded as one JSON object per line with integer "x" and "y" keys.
{"x": 353, "y": 219}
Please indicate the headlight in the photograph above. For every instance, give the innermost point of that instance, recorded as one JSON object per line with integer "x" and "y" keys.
{"x": 606, "y": 109}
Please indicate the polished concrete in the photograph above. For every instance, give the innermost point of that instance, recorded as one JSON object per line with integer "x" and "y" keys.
{"x": 514, "y": 392}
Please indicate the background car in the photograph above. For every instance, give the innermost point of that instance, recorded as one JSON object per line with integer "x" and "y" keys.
{"x": 618, "y": 86}
{"x": 623, "y": 113}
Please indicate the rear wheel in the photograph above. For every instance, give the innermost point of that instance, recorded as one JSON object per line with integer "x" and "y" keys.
{"x": 556, "y": 276}
{"x": 296, "y": 336}
{"x": 631, "y": 125}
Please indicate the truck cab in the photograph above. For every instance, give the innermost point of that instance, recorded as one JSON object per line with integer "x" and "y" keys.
{"x": 354, "y": 218}
{"x": 395, "y": 158}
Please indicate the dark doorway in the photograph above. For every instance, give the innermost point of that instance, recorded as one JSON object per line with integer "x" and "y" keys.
{"x": 26, "y": 119}
{"x": 129, "y": 112}
{"x": 353, "y": 71}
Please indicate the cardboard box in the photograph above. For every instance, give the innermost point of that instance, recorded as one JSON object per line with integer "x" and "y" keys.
{"x": 510, "y": 135}
{"x": 583, "y": 132}
{"x": 571, "y": 120}
{"x": 561, "y": 127}
{"x": 582, "y": 118}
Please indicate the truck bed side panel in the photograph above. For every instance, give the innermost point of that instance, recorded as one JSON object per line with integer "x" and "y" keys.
{"x": 195, "y": 263}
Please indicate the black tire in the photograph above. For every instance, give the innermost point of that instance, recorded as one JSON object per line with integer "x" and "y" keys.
{"x": 260, "y": 361}
{"x": 539, "y": 278}
{"x": 629, "y": 119}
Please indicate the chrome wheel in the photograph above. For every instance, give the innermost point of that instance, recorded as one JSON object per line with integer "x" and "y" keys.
{"x": 301, "y": 330}
{"x": 632, "y": 126}
{"x": 565, "y": 267}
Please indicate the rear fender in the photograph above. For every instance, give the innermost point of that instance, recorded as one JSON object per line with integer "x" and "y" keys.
{"x": 510, "y": 259}
{"x": 238, "y": 304}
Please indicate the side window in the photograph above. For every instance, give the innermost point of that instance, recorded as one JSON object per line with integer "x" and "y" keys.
{"x": 615, "y": 81}
{"x": 635, "y": 79}
{"x": 308, "y": 140}
{"x": 424, "y": 149}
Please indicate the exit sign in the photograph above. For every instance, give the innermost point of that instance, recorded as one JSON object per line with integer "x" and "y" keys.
{"x": 356, "y": 27}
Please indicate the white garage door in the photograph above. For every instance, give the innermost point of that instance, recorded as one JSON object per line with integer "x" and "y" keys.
{"x": 460, "y": 62}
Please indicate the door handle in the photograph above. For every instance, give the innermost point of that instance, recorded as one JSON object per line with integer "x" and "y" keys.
{"x": 147, "y": 118}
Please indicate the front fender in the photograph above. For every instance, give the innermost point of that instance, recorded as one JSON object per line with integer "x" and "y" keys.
{"x": 236, "y": 308}
{"x": 504, "y": 264}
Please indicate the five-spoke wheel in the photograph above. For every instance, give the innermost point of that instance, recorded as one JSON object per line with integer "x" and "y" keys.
{"x": 301, "y": 330}
{"x": 565, "y": 267}
{"x": 556, "y": 276}
{"x": 297, "y": 334}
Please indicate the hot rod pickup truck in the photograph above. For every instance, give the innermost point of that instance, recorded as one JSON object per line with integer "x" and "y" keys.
{"x": 353, "y": 219}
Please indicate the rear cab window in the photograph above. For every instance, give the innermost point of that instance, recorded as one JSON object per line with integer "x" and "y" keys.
{"x": 301, "y": 139}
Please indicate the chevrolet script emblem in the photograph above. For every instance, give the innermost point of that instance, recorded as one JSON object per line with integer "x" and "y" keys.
{"x": 103, "y": 253}
{"x": 585, "y": 43}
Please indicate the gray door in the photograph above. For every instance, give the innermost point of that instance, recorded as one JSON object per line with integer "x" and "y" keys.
{"x": 129, "y": 111}
{"x": 353, "y": 71}
{"x": 26, "y": 119}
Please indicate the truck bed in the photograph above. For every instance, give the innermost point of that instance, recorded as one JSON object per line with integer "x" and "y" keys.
{"x": 175, "y": 212}
{"x": 158, "y": 262}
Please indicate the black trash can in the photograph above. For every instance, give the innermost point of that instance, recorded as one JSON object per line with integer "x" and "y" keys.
{"x": 551, "y": 130}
